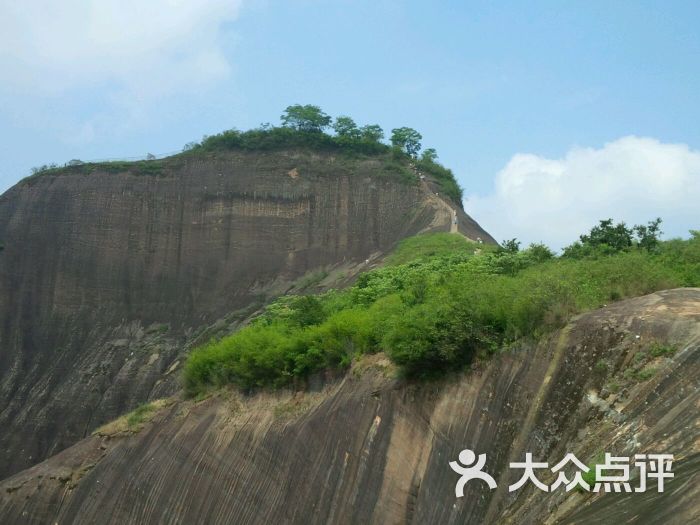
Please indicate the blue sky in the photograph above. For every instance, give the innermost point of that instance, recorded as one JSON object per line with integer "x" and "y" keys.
{"x": 551, "y": 115}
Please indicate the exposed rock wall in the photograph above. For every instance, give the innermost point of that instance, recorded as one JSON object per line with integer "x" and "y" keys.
{"x": 105, "y": 276}
{"x": 369, "y": 449}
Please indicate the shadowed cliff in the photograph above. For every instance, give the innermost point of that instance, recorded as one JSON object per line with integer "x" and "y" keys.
{"x": 109, "y": 273}
{"x": 370, "y": 449}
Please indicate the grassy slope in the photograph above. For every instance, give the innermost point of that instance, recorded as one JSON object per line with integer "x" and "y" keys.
{"x": 434, "y": 308}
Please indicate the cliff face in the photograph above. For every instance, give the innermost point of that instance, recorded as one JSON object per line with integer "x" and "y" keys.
{"x": 369, "y": 449}
{"x": 106, "y": 277}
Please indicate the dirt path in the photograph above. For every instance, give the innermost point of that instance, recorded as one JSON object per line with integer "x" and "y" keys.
{"x": 448, "y": 212}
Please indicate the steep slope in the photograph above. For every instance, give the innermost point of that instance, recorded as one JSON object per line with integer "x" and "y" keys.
{"x": 108, "y": 273}
{"x": 369, "y": 449}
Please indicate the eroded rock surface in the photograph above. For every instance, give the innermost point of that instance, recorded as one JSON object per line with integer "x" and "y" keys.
{"x": 106, "y": 278}
{"x": 372, "y": 449}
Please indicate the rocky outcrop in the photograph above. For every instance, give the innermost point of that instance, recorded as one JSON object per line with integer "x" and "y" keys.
{"x": 108, "y": 274}
{"x": 372, "y": 449}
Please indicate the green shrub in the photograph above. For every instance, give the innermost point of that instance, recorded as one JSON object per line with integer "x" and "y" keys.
{"x": 645, "y": 373}
{"x": 659, "y": 350}
{"x": 434, "y": 308}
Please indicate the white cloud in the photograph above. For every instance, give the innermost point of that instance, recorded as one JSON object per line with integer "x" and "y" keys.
{"x": 145, "y": 46}
{"x": 634, "y": 179}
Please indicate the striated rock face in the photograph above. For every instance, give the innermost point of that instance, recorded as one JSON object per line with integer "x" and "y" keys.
{"x": 369, "y": 449}
{"x": 105, "y": 277}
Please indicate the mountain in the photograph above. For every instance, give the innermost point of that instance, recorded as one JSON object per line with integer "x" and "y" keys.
{"x": 111, "y": 272}
{"x": 281, "y": 326}
{"x": 367, "y": 448}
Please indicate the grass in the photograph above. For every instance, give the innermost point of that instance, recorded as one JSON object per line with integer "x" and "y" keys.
{"x": 645, "y": 373}
{"x": 140, "y": 415}
{"x": 614, "y": 386}
{"x": 134, "y": 420}
{"x": 426, "y": 246}
{"x": 433, "y": 309}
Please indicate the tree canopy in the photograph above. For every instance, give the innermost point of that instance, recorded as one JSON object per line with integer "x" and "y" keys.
{"x": 372, "y": 133}
{"x": 408, "y": 139}
{"x": 607, "y": 238}
{"x": 305, "y": 118}
{"x": 429, "y": 155}
{"x": 345, "y": 127}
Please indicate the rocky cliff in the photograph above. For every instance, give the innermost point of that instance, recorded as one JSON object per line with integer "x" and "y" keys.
{"x": 109, "y": 273}
{"x": 371, "y": 449}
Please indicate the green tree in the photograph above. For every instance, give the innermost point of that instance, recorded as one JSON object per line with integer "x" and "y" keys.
{"x": 540, "y": 252}
{"x": 407, "y": 139}
{"x": 372, "y": 133}
{"x": 510, "y": 246}
{"x": 305, "y": 118}
{"x": 429, "y": 155}
{"x": 307, "y": 311}
{"x": 346, "y": 128}
{"x": 605, "y": 238}
{"x": 648, "y": 236}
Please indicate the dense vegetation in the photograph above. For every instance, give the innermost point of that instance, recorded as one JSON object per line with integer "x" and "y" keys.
{"x": 302, "y": 127}
{"x": 440, "y": 302}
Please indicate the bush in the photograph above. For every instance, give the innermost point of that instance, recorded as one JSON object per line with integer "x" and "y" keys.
{"x": 660, "y": 350}
{"x": 432, "y": 309}
{"x": 443, "y": 176}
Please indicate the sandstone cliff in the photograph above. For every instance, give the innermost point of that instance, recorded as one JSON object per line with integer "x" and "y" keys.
{"x": 370, "y": 449}
{"x": 108, "y": 274}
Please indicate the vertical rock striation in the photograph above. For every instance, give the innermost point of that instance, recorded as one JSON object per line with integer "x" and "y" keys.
{"x": 369, "y": 449}
{"x": 104, "y": 276}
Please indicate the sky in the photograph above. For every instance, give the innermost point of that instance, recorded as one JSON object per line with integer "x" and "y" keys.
{"x": 552, "y": 115}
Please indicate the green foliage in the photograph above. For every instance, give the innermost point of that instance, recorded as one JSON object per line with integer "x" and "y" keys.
{"x": 660, "y": 350}
{"x": 429, "y": 155}
{"x": 648, "y": 236}
{"x": 510, "y": 246}
{"x": 302, "y": 129}
{"x": 345, "y": 127}
{"x": 284, "y": 138}
{"x": 443, "y": 176}
{"x": 427, "y": 246}
{"x": 540, "y": 252}
{"x": 305, "y": 118}
{"x": 608, "y": 238}
{"x": 140, "y": 415}
{"x": 614, "y": 386}
{"x": 371, "y": 133}
{"x": 142, "y": 167}
{"x": 407, "y": 140}
{"x": 435, "y": 307}
{"x": 645, "y": 373}
{"x": 589, "y": 477}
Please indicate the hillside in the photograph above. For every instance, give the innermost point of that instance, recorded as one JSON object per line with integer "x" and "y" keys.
{"x": 368, "y": 448}
{"x": 110, "y": 272}
{"x": 254, "y": 332}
